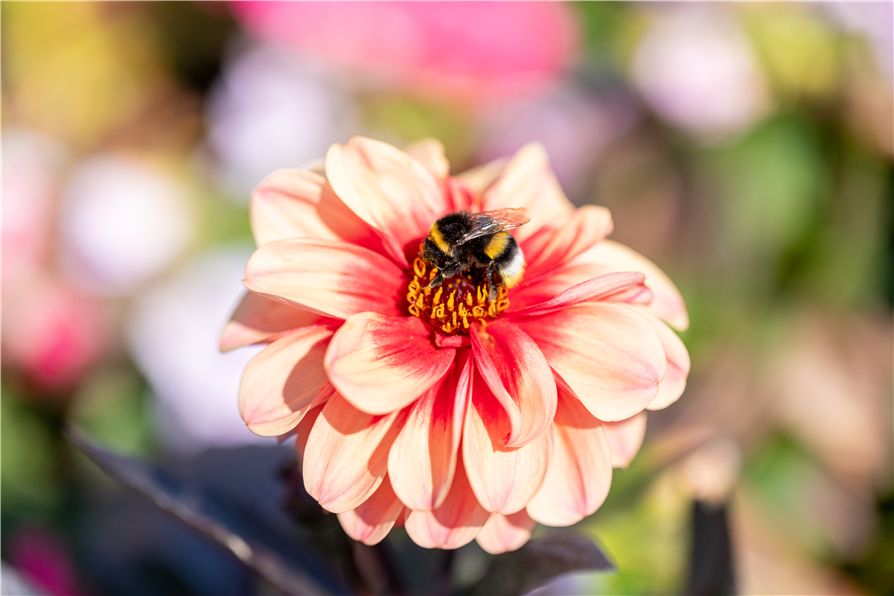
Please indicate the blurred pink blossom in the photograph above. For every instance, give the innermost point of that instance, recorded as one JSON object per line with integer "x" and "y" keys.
{"x": 42, "y": 558}
{"x": 31, "y": 165}
{"x": 464, "y": 49}
{"x": 696, "y": 68}
{"x": 51, "y": 330}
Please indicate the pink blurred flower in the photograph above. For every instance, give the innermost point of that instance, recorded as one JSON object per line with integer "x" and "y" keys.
{"x": 42, "y": 557}
{"x": 52, "y": 331}
{"x": 474, "y": 50}
{"x": 32, "y": 163}
{"x": 470, "y": 419}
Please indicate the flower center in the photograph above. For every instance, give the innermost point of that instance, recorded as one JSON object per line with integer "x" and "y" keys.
{"x": 453, "y": 306}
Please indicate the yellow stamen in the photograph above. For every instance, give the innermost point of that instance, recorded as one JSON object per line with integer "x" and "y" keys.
{"x": 456, "y": 304}
{"x": 418, "y": 268}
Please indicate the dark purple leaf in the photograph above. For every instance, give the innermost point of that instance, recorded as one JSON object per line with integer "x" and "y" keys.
{"x": 540, "y": 561}
{"x": 233, "y": 501}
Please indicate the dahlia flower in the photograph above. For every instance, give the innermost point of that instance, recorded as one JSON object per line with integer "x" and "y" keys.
{"x": 436, "y": 408}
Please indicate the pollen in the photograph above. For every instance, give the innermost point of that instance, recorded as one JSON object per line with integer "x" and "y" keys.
{"x": 453, "y": 306}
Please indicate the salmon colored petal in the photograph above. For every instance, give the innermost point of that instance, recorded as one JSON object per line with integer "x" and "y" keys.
{"x": 387, "y": 188}
{"x": 626, "y": 286}
{"x": 505, "y": 533}
{"x": 258, "y": 319}
{"x": 546, "y": 287}
{"x": 452, "y": 525}
{"x": 518, "y": 376}
{"x": 346, "y": 456}
{"x": 552, "y": 246}
{"x": 324, "y": 276}
{"x": 503, "y": 479}
{"x": 373, "y": 519}
{"x": 674, "y": 382}
{"x": 430, "y": 153}
{"x": 422, "y": 461}
{"x": 301, "y": 204}
{"x": 381, "y": 364}
{"x": 302, "y": 431}
{"x": 580, "y": 472}
{"x": 667, "y": 303}
{"x": 529, "y": 182}
{"x": 279, "y": 384}
{"x": 460, "y": 197}
{"x": 608, "y": 354}
{"x": 625, "y": 437}
{"x": 480, "y": 178}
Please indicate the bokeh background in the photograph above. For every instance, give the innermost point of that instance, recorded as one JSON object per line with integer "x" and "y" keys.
{"x": 745, "y": 148}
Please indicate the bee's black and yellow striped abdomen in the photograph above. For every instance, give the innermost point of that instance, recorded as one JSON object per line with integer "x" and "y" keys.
{"x": 497, "y": 244}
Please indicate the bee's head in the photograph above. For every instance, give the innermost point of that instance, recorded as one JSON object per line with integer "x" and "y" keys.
{"x": 438, "y": 250}
{"x": 434, "y": 255}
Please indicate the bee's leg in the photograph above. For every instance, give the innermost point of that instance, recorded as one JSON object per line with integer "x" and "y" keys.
{"x": 493, "y": 282}
{"x": 446, "y": 273}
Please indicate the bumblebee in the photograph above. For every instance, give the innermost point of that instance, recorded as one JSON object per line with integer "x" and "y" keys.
{"x": 462, "y": 240}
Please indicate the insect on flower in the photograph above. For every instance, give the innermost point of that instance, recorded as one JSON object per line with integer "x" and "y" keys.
{"x": 462, "y": 240}
{"x": 466, "y": 355}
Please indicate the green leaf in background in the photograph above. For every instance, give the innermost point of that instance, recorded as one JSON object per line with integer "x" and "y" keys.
{"x": 111, "y": 406}
{"x": 770, "y": 187}
{"x": 645, "y": 541}
{"x": 846, "y": 264}
{"x": 603, "y": 24}
{"x": 28, "y": 466}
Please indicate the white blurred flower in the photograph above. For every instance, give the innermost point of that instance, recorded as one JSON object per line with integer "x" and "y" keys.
{"x": 271, "y": 111}
{"x": 173, "y": 333}
{"x": 122, "y": 223}
{"x": 31, "y": 165}
{"x": 696, "y": 68}
{"x": 573, "y": 126}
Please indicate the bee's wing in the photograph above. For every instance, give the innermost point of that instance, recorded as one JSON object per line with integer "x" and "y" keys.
{"x": 486, "y": 223}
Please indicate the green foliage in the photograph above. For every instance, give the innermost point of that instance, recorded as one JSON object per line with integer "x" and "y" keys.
{"x": 30, "y": 481}
{"x": 111, "y": 406}
{"x": 771, "y": 186}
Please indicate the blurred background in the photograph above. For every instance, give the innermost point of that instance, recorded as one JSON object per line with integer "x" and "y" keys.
{"x": 745, "y": 148}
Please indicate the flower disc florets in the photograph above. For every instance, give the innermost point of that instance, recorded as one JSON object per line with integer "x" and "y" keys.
{"x": 453, "y": 306}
